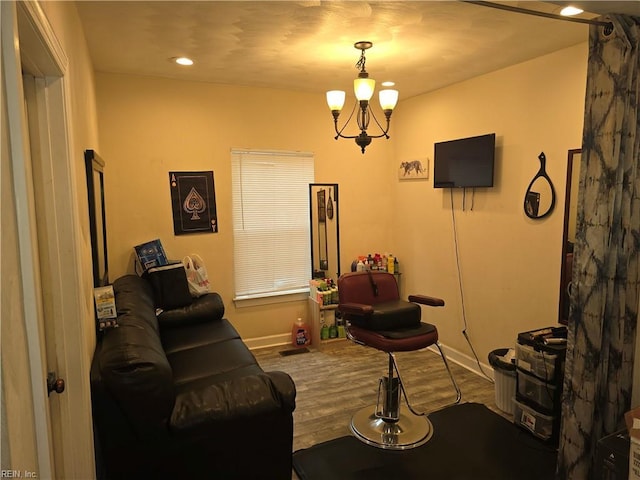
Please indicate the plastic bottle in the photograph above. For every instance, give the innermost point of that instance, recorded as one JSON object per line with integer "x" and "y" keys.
{"x": 333, "y": 331}
{"x": 324, "y": 332}
{"x": 390, "y": 264}
{"x": 300, "y": 335}
{"x": 377, "y": 260}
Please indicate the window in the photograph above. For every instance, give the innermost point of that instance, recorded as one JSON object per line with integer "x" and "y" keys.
{"x": 272, "y": 253}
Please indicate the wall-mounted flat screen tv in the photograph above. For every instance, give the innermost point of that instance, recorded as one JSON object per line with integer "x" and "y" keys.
{"x": 464, "y": 163}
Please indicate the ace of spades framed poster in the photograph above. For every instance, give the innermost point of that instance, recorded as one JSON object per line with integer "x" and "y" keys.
{"x": 193, "y": 201}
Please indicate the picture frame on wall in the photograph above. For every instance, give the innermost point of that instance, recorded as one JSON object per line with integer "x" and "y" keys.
{"x": 417, "y": 169}
{"x": 193, "y": 202}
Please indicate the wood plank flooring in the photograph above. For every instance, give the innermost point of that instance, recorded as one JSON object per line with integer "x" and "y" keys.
{"x": 340, "y": 378}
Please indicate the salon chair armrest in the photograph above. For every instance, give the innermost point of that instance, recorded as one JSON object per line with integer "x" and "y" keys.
{"x": 424, "y": 300}
{"x": 359, "y": 309}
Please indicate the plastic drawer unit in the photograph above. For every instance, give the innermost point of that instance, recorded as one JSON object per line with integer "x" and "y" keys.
{"x": 540, "y": 425}
{"x": 537, "y": 391}
{"x": 539, "y": 363}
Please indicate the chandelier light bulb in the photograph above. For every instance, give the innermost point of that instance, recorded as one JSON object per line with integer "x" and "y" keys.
{"x": 388, "y": 99}
{"x": 335, "y": 100}
{"x": 364, "y": 88}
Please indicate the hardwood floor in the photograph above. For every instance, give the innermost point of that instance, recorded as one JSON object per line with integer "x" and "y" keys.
{"x": 340, "y": 378}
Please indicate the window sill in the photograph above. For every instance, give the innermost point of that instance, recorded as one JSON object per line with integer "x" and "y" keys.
{"x": 271, "y": 298}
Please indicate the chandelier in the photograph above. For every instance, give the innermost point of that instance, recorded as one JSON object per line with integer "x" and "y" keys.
{"x": 363, "y": 87}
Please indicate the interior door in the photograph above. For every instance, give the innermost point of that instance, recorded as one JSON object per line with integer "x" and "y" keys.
{"x": 46, "y": 247}
{"x": 52, "y": 303}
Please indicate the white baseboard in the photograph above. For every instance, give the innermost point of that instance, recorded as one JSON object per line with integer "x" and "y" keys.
{"x": 464, "y": 360}
{"x": 268, "y": 341}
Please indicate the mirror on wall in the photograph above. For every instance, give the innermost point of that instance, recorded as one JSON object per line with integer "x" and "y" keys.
{"x": 569, "y": 232}
{"x": 325, "y": 233}
{"x": 540, "y": 198}
{"x": 95, "y": 189}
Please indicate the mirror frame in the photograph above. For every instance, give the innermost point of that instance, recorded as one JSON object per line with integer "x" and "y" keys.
{"x": 565, "y": 273}
{"x": 97, "y": 220}
{"x": 532, "y": 199}
{"x": 333, "y": 217}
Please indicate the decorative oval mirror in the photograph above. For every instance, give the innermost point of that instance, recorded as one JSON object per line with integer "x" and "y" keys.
{"x": 540, "y": 198}
{"x": 325, "y": 238}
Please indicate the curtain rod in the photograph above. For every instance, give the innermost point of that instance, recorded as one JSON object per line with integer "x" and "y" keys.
{"x": 608, "y": 26}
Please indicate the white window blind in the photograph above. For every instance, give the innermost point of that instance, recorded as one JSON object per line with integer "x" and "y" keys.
{"x": 272, "y": 253}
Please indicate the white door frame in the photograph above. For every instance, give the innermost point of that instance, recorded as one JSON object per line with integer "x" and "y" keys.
{"x": 53, "y": 265}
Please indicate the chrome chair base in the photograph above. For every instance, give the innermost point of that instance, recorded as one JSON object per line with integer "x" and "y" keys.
{"x": 409, "y": 431}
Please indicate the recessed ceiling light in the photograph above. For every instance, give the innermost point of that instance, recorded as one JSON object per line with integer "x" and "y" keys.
{"x": 388, "y": 84}
{"x": 570, "y": 10}
{"x": 183, "y": 61}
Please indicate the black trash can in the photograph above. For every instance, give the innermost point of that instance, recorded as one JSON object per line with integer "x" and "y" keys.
{"x": 504, "y": 375}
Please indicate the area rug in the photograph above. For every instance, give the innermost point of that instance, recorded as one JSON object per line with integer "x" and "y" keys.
{"x": 469, "y": 442}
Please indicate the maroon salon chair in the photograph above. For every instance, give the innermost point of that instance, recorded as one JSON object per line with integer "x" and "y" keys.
{"x": 376, "y": 317}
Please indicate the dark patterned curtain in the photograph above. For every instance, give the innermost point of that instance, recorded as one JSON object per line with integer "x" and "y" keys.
{"x": 604, "y": 304}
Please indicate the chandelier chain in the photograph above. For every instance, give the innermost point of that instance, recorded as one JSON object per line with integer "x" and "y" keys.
{"x": 361, "y": 62}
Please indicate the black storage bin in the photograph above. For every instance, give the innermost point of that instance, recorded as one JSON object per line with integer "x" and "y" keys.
{"x": 170, "y": 286}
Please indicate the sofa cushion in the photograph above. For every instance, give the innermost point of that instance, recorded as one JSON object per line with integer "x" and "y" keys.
{"x": 191, "y": 336}
{"x": 202, "y": 309}
{"x": 210, "y": 360}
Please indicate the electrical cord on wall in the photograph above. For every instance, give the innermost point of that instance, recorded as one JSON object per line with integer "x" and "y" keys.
{"x": 464, "y": 315}
{"x": 464, "y": 198}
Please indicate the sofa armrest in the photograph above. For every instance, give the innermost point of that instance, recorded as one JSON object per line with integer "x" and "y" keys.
{"x": 243, "y": 397}
{"x": 203, "y": 309}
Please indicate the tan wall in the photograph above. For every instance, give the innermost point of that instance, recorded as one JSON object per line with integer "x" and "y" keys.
{"x": 150, "y": 126}
{"x": 510, "y": 264}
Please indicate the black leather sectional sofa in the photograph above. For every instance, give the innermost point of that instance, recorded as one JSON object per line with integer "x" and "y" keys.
{"x": 179, "y": 395}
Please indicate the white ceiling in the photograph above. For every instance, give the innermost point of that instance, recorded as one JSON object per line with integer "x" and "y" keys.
{"x": 308, "y": 45}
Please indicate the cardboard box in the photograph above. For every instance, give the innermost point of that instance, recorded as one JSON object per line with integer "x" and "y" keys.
{"x": 632, "y": 420}
{"x": 150, "y": 254}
